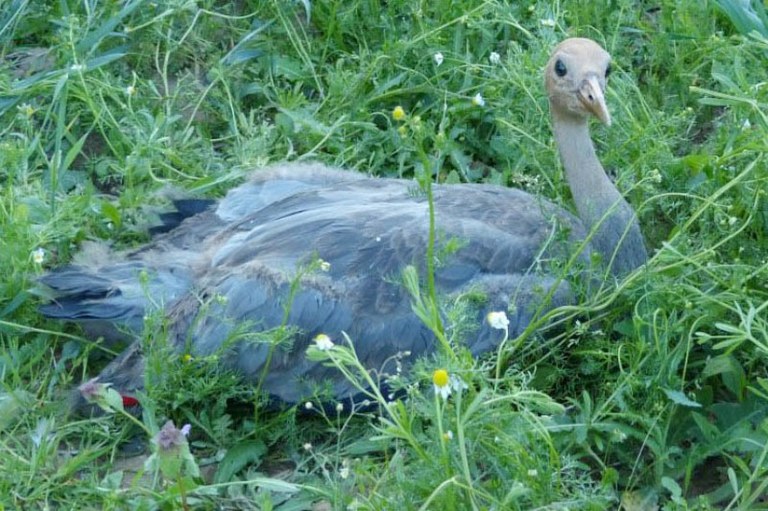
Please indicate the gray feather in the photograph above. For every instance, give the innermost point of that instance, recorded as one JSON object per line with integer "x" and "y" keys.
{"x": 223, "y": 276}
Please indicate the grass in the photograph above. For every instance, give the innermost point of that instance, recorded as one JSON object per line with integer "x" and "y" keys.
{"x": 652, "y": 395}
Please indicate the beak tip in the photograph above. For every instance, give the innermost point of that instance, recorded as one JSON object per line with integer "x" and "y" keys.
{"x": 592, "y": 98}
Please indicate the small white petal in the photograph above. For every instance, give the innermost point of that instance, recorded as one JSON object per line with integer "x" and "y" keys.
{"x": 323, "y": 342}
{"x": 494, "y": 57}
{"x": 457, "y": 384}
{"x": 478, "y": 100}
{"x": 443, "y": 391}
{"x": 438, "y": 58}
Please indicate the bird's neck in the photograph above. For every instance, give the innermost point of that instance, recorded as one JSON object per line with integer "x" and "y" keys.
{"x": 592, "y": 191}
{"x": 600, "y": 205}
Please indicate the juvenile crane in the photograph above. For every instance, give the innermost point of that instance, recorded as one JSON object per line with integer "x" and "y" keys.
{"x": 224, "y": 275}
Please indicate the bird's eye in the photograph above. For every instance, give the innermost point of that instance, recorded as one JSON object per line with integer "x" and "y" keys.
{"x": 560, "y": 69}
{"x": 608, "y": 71}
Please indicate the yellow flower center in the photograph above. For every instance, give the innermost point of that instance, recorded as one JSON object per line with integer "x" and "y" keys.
{"x": 440, "y": 377}
{"x": 398, "y": 113}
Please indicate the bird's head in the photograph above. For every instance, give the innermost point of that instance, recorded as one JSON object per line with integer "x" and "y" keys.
{"x": 575, "y": 78}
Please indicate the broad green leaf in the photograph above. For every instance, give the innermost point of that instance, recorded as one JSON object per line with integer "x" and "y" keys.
{"x": 681, "y": 399}
{"x": 238, "y": 457}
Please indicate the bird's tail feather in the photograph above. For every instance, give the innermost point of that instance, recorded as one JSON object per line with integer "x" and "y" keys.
{"x": 184, "y": 208}
{"x": 111, "y": 301}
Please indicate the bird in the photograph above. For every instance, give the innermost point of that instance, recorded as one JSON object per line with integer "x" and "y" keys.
{"x": 227, "y": 273}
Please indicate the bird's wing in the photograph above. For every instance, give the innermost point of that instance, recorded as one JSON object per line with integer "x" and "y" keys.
{"x": 367, "y": 232}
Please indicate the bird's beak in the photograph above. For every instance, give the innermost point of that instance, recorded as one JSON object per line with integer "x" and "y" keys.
{"x": 591, "y": 96}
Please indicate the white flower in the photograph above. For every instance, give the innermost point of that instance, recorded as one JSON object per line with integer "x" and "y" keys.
{"x": 478, "y": 100}
{"x": 442, "y": 383}
{"x": 130, "y": 90}
{"x": 339, "y": 407}
{"x": 38, "y": 255}
{"x": 76, "y": 68}
{"x": 307, "y": 446}
{"x": 308, "y": 405}
{"x": 448, "y": 435}
{"x": 532, "y": 472}
{"x": 438, "y": 58}
{"x": 548, "y": 22}
{"x": 325, "y": 265}
{"x": 495, "y": 58}
{"x": 344, "y": 470}
{"x": 26, "y": 109}
{"x": 323, "y": 342}
{"x": 498, "y": 320}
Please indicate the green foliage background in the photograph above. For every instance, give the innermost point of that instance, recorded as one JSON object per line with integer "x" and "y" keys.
{"x": 654, "y": 394}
